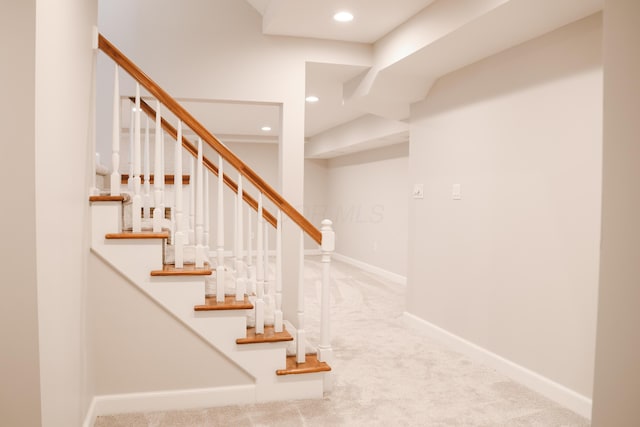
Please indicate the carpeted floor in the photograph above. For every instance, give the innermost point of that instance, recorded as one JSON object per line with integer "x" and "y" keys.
{"x": 385, "y": 374}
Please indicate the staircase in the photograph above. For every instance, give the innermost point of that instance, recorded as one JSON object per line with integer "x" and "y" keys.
{"x": 159, "y": 238}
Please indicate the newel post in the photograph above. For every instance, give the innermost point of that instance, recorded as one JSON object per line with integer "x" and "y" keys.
{"x": 327, "y": 247}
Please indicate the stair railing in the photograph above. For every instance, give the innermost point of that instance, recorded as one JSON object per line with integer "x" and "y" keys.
{"x": 245, "y": 283}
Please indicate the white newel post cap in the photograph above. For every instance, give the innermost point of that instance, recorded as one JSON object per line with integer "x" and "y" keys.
{"x": 328, "y": 236}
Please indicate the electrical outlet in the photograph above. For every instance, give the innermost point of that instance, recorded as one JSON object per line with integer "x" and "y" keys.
{"x": 456, "y": 192}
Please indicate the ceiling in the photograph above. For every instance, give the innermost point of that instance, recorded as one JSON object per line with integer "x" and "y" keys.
{"x": 304, "y": 18}
{"x": 414, "y": 41}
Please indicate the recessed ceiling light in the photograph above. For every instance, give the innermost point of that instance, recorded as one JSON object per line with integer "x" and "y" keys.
{"x": 343, "y": 16}
{"x": 266, "y": 128}
{"x": 312, "y": 98}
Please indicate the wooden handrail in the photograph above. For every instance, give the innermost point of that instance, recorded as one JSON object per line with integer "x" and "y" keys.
{"x": 183, "y": 115}
{"x": 191, "y": 148}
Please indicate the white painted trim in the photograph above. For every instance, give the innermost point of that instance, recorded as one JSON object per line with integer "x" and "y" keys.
{"x": 394, "y": 277}
{"x": 272, "y": 253}
{"x": 90, "y": 418}
{"x": 543, "y": 385}
{"x": 172, "y": 400}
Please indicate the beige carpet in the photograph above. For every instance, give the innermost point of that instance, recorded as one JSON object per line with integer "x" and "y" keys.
{"x": 385, "y": 375}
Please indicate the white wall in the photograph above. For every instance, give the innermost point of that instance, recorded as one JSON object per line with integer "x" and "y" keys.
{"x": 617, "y": 377}
{"x": 64, "y": 129}
{"x": 512, "y": 267}
{"x": 19, "y": 359}
{"x": 316, "y": 192}
{"x": 367, "y": 200}
{"x": 136, "y": 346}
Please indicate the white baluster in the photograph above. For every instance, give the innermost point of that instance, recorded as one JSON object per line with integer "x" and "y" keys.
{"x": 259, "y": 271}
{"x": 234, "y": 252}
{"x": 115, "y": 138}
{"x": 325, "y": 352}
{"x": 267, "y": 270}
{"x": 269, "y": 304}
{"x": 207, "y": 216}
{"x": 136, "y": 205}
{"x": 240, "y": 275}
{"x": 192, "y": 202}
{"x": 210, "y": 282}
{"x": 146, "y": 197}
{"x": 179, "y": 239}
{"x": 220, "y": 276}
{"x": 251, "y": 269}
{"x": 301, "y": 336}
{"x": 132, "y": 123}
{"x": 199, "y": 208}
{"x": 278, "y": 318}
{"x": 158, "y": 183}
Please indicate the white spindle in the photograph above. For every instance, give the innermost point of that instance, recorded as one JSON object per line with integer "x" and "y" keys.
{"x": 132, "y": 123}
{"x": 199, "y": 208}
{"x": 265, "y": 241}
{"x": 191, "y": 232}
{"x": 234, "y": 252}
{"x": 207, "y": 216}
{"x": 328, "y": 245}
{"x": 179, "y": 239}
{"x": 146, "y": 198}
{"x": 158, "y": 171}
{"x": 251, "y": 269}
{"x": 268, "y": 285}
{"x": 136, "y": 205}
{"x": 278, "y": 318}
{"x": 259, "y": 271}
{"x": 210, "y": 282}
{"x": 220, "y": 234}
{"x": 240, "y": 275}
{"x": 115, "y": 138}
{"x": 300, "y": 332}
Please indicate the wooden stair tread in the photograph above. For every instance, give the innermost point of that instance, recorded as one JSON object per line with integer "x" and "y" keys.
{"x": 229, "y": 303}
{"x": 138, "y": 235}
{"x": 186, "y": 270}
{"x": 270, "y": 335}
{"x": 107, "y": 198}
{"x": 311, "y": 365}
{"x": 168, "y": 179}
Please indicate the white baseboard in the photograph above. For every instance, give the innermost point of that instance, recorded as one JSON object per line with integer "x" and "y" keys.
{"x": 169, "y": 401}
{"x": 394, "y": 277}
{"x": 272, "y": 253}
{"x": 543, "y": 385}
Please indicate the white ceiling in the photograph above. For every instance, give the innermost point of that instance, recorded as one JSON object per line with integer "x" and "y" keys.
{"x": 308, "y": 18}
{"x": 450, "y": 34}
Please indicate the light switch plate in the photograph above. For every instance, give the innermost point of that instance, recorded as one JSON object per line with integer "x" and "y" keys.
{"x": 418, "y": 191}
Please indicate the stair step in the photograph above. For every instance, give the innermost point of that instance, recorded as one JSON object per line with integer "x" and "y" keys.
{"x": 270, "y": 335}
{"x": 187, "y": 270}
{"x": 168, "y": 179}
{"x": 138, "y": 235}
{"x": 229, "y": 303}
{"x": 105, "y": 198}
{"x": 310, "y": 366}
{"x": 167, "y": 212}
